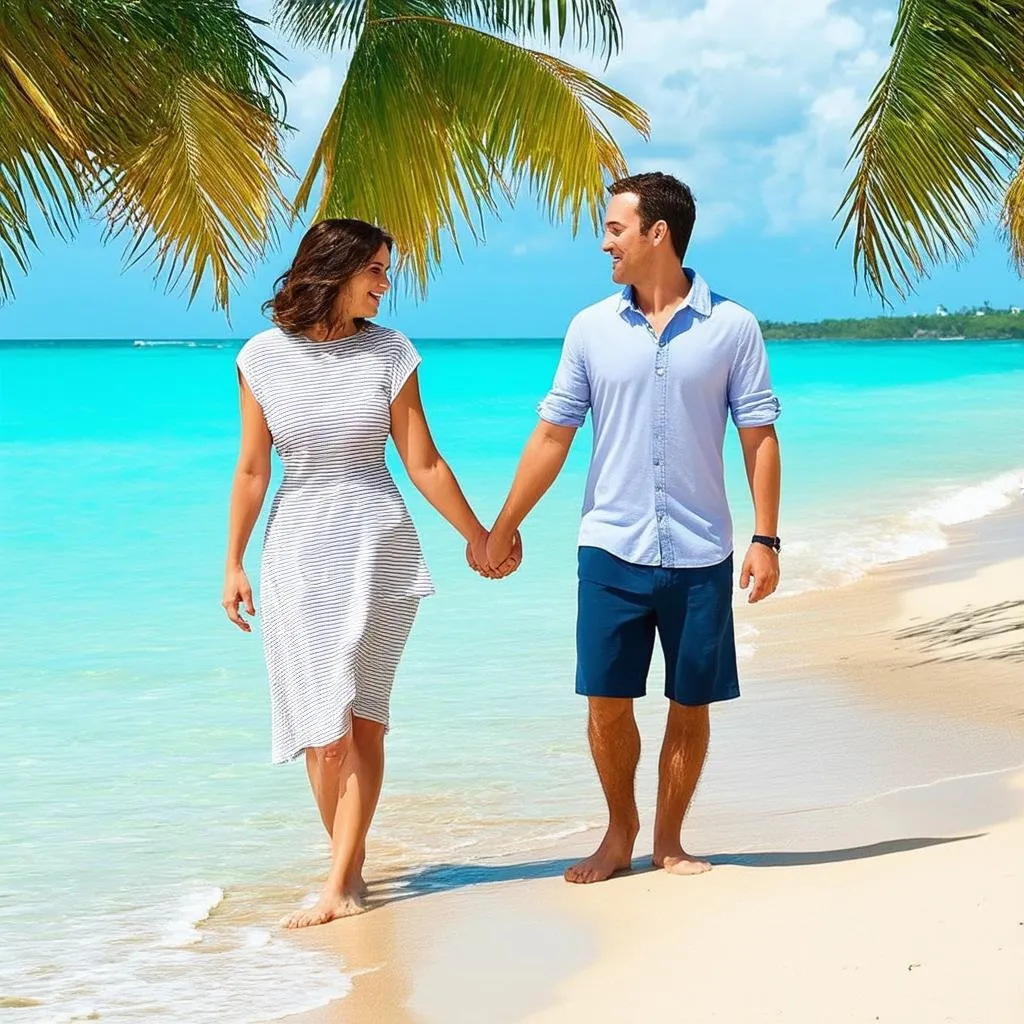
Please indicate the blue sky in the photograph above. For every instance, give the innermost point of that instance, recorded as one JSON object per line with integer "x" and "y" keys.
{"x": 751, "y": 103}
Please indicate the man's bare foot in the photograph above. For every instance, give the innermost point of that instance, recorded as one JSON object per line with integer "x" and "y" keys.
{"x": 328, "y": 908}
{"x": 615, "y": 854}
{"x": 679, "y": 862}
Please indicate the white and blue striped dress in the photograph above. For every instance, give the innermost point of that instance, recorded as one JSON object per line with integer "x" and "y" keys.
{"x": 342, "y": 570}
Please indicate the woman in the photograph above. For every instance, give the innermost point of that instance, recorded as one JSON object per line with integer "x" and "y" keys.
{"x": 342, "y": 571}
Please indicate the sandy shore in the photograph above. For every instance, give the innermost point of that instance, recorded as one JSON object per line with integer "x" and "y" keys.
{"x": 899, "y": 898}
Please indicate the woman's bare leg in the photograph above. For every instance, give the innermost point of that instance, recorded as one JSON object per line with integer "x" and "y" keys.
{"x": 323, "y": 766}
{"x": 359, "y": 781}
{"x": 369, "y": 738}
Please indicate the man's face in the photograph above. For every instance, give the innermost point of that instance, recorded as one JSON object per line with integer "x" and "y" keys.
{"x": 628, "y": 247}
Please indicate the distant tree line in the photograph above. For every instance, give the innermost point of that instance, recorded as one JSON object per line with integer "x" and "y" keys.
{"x": 965, "y": 323}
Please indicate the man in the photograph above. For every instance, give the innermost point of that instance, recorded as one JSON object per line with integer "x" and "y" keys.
{"x": 659, "y": 364}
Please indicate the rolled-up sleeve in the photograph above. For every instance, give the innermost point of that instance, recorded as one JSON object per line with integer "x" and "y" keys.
{"x": 568, "y": 401}
{"x": 752, "y": 401}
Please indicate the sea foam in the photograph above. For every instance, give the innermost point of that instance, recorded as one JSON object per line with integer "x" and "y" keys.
{"x": 840, "y": 557}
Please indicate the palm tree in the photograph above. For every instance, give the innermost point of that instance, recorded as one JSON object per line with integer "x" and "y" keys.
{"x": 166, "y": 116}
{"x": 939, "y": 147}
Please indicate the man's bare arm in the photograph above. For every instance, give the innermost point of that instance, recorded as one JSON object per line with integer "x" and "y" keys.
{"x": 764, "y": 474}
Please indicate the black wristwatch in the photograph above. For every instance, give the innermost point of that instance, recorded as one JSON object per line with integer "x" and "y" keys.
{"x": 775, "y": 543}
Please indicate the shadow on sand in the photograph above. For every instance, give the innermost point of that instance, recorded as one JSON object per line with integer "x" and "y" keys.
{"x": 446, "y": 877}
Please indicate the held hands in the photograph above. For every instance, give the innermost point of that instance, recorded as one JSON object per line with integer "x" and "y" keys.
{"x": 761, "y": 565}
{"x": 237, "y": 591}
{"x": 494, "y": 555}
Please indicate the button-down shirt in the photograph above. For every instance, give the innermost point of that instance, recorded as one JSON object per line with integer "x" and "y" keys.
{"x": 656, "y": 488}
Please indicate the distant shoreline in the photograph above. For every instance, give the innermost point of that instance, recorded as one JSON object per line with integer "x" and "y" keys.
{"x": 969, "y": 325}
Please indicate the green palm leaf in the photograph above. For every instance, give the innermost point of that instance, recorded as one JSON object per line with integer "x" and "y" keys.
{"x": 87, "y": 86}
{"x": 201, "y": 191}
{"x": 330, "y": 24}
{"x": 437, "y": 122}
{"x": 932, "y": 147}
{"x": 1013, "y": 217}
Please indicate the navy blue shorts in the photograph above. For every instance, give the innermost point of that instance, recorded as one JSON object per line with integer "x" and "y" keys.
{"x": 622, "y": 606}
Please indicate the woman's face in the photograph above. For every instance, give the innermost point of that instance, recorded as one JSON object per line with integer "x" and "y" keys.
{"x": 361, "y": 296}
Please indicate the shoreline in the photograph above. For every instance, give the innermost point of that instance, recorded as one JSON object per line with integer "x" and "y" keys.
{"x": 463, "y": 943}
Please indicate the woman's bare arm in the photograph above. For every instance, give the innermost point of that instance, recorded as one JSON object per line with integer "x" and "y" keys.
{"x": 428, "y": 471}
{"x": 248, "y": 490}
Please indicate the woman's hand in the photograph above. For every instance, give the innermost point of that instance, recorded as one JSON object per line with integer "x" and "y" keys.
{"x": 476, "y": 553}
{"x": 237, "y": 591}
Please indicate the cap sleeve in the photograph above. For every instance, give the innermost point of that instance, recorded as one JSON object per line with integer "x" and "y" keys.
{"x": 250, "y": 368}
{"x": 405, "y": 359}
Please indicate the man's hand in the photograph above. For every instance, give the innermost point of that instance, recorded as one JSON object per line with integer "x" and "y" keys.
{"x": 504, "y": 552}
{"x": 761, "y": 564}
{"x": 479, "y": 561}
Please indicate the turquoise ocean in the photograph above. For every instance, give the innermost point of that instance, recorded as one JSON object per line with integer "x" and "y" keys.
{"x": 147, "y": 846}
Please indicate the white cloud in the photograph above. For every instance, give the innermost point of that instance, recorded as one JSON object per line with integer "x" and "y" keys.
{"x": 752, "y": 103}
{"x": 311, "y": 97}
{"x": 534, "y": 244}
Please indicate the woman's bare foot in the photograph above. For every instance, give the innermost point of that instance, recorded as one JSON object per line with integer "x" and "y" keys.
{"x": 615, "y": 854}
{"x": 329, "y": 907}
{"x": 679, "y": 862}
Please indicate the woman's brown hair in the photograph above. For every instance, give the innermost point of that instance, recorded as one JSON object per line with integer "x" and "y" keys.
{"x": 330, "y": 254}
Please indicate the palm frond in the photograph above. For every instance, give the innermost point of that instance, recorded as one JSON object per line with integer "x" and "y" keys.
{"x": 931, "y": 148}
{"x": 438, "y": 122}
{"x": 88, "y": 84}
{"x": 201, "y": 193}
{"x": 322, "y": 24}
{"x": 392, "y": 154}
{"x": 1012, "y": 219}
{"x": 336, "y": 24}
{"x": 592, "y": 24}
{"x": 39, "y": 146}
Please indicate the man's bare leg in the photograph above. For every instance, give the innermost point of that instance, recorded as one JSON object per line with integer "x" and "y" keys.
{"x": 683, "y": 751}
{"x": 615, "y": 745}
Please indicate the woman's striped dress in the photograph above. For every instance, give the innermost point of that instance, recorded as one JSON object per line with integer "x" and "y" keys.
{"x": 342, "y": 570}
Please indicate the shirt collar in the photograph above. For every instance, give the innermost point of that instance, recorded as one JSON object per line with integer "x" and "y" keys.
{"x": 699, "y": 298}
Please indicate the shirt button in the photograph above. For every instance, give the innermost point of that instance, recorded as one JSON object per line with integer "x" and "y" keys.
{"x": 657, "y": 462}
{"x": 661, "y": 371}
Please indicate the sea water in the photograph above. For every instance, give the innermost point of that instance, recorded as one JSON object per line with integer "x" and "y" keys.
{"x": 146, "y": 844}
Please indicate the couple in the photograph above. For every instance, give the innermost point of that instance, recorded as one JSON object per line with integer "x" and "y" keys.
{"x": 660, "y": 365}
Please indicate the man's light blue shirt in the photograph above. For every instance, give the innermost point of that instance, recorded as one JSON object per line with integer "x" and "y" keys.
{"x": 656, "y": 488}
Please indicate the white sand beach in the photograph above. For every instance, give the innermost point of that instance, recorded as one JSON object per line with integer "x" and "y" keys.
{"x": 906, "y": 905}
